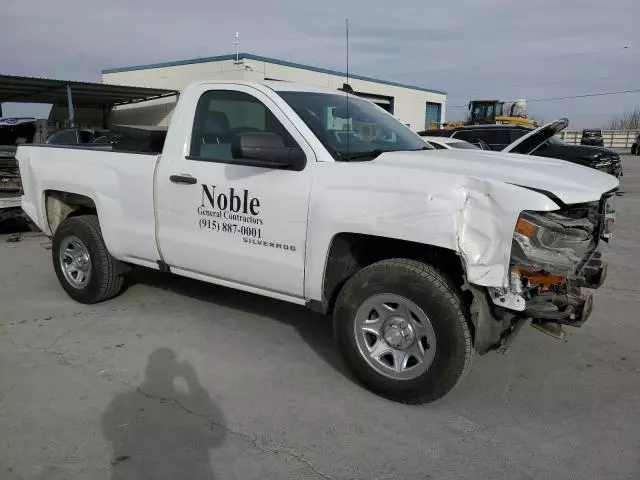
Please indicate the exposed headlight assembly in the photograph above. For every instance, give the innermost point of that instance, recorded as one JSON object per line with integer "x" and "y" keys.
{"x": 551, "y": 243}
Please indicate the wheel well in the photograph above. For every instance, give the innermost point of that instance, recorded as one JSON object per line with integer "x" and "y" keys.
{"x": 350, "y": 252}
{"x": 62, "y": 205}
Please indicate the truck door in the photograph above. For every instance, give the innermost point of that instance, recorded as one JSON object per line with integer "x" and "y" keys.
{"x": 232, "y": 222}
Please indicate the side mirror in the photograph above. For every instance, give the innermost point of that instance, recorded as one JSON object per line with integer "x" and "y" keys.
{"x": 265, "y": 149}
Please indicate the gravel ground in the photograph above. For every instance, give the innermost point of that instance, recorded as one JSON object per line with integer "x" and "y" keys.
{"x": 193, "y": 381}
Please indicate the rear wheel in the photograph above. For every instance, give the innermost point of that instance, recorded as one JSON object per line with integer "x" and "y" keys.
{"x": 84, "y": 267}
{"x": 403, "y": 331}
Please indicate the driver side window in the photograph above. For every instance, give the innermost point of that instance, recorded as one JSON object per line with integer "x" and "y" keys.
{"x": 223, "y": 114}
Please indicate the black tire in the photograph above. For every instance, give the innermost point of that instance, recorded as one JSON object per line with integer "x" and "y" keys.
{"x": 107, "y": 275}
{"x": 431, "y": 291}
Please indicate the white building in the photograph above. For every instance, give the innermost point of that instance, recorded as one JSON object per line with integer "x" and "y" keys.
{"x": 413, "y": 106}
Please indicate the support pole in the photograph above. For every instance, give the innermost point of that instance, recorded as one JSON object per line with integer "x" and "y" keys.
{"x": 105, "y": 116}
{"x": 72, "y": 120}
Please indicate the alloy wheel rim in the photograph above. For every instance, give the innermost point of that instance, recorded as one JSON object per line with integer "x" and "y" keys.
{"x": 394, "y": 336}
{"x": 75, "y": 262}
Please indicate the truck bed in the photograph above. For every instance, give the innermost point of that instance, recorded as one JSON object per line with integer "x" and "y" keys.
{"x": 119, "y": 184}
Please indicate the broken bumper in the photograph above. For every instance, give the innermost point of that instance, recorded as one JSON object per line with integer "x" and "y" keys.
{"x": 572, "y": 307}
{"x": 553, "y": 258}
{"x": 497, "y": 325}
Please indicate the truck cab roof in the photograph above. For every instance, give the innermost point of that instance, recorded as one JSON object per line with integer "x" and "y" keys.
{"x": 275, "y": 85}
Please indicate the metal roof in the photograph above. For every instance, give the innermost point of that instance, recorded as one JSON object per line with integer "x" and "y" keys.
{"x": 84, "y": 94}
{"x": 250, "y": 56}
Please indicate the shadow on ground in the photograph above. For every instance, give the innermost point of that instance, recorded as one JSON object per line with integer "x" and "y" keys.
{"x": 14, "y": 225}
{"x": 164, "y": 429}
{"x": 315, "y": 329}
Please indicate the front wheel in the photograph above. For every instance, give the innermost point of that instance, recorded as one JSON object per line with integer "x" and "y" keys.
{"x": 402, "y": 330}
{"x": 84, "y": 267}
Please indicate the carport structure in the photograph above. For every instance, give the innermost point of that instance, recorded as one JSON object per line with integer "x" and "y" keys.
{"x": 75, "y": 94}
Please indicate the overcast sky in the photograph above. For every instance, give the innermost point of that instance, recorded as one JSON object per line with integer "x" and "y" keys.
{"x": 503, "y": 49}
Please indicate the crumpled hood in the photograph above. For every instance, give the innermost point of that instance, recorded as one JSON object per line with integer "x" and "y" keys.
{"x": 570, "y": 182}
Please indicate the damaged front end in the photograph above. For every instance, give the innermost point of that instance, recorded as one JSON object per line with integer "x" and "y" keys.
{"x": 553, "y": 257}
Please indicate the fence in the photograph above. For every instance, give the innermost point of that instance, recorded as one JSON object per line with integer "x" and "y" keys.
{"x": 618, "y": 139}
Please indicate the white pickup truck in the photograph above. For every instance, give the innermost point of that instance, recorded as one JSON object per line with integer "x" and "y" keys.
{"x": 320, "y": 198}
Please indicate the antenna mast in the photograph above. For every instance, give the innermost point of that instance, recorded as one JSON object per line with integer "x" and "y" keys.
{"x": 347, "y": 26}
{"x": 236, "y": 43}
{"x": 348, "y": 87}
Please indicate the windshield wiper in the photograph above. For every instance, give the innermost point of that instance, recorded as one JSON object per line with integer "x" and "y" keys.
{"x": 353, "y": 156}
{"x": 374, "y": 153}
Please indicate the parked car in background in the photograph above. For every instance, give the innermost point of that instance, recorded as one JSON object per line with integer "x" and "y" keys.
{"x": 131, "y": 138}
{"x": 542, "y": 142}
{"x": 72, "y": 136}
{"x": 592, "y": 137}
{"x": 495, "y": 137}
{"x": 14, "y": 131}
{"x": 446, "y": 143}
{"x": 481, "y": 144}
{"x": 635, "y": 150}
{"x": 10, "y": 198}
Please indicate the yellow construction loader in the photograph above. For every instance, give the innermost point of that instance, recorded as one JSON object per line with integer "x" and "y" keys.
{"x": 493, "y": 111}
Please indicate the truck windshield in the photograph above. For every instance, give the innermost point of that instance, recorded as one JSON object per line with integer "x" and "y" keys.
{"x": 356, "y": 129}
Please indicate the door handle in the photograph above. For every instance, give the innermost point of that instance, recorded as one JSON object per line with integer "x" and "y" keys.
{"x": 186, "y": 179}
